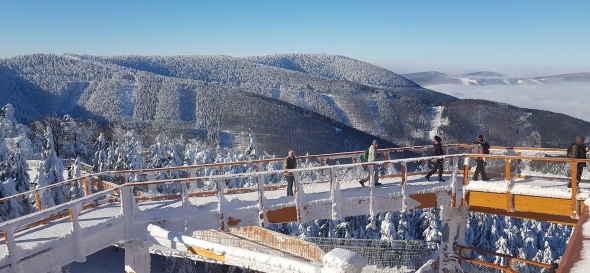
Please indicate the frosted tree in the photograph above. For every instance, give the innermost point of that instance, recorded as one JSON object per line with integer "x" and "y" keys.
{"x": 111, "y": 158}
{"x": 502, "y": 248}
{"x": 430, "y": 225}
{"x": 13, "y": 208}
{"x": 21, "y": 176}
{"x": 7, "y": 121}
{"x": 252, "y": 150}
{"x": 128, "y": 156}
{"x": 100, "y": 160}
{"x": 388, "y": 227}
{"x": 75, "y": 139}
{"x": 158, "y": 158}
{"x": 372, "y": 228}
{"x": 5, "y": 166}
{"x": 135, "y": 159}
{"x": 76, "y": 189}
{"x": 53, "y": 169}
{"x": 46, "y": 196}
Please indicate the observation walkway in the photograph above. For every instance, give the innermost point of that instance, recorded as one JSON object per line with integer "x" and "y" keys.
{"x": 133, "y": 208}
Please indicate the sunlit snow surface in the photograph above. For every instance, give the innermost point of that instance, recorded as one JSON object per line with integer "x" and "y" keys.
{"x": 104, "y": 225}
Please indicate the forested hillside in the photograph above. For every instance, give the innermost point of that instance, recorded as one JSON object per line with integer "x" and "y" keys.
{"x": 315, "y": 103}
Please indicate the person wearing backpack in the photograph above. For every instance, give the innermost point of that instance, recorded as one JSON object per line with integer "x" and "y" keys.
{"x": 371, "y": 157}
{"x": 437, "y": 162}
{"x": 579, "y": 151}
{"x": 478, "y": 148}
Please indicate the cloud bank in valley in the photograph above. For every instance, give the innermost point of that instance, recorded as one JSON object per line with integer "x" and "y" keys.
{"x": 570, "y": 99}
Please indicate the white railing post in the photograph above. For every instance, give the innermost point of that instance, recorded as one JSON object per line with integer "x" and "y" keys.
{"x": 298, "y": 194}
{"x": 220, "y": 204}
{"x": 404, "y": 183}
{"x": 371, "y": 190}
{"x": 77, "y": 240}
{"x": 261, "y": 216}
{"x": 185, "y": 203}
{"x": 454, "y": 181}
{"x": 128, "y": 210}
{"x": 334, "y": 194}
{"x": 12, "y": 248}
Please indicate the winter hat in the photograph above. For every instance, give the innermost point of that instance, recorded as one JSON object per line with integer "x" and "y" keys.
{"x": 437, "y": 138}
{"x": 480, "y": 138}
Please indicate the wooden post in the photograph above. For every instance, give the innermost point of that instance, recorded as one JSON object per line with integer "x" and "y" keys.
{"x": 85, "y": 185}
{"x": 261, "y": 215}
{"x": 508, "y": 174}
{"x": 38, "y": 200}
{"x": 465, "y": 179}
{"x": 518, "y": 171}
{"x": 386, "y": 158}
{"x": 574, "y": 181}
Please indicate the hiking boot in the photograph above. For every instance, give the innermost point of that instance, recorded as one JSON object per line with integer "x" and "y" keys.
{"x": 441, "y": 180}
{"x": 427, "y": 178}
{"x": 362, "y": 182}
{"x": 378, "y": 184}
{"x": 474, "y": 179}
{"x": 485, "y": 179}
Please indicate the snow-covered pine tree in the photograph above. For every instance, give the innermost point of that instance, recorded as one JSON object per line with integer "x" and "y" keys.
{"x": 252, "y": 150}
{"x": 76, "y": 141}
{"x": 430, "y": 225}
{"x": 46, "y": 196}
{"x": 13, "y": 208}
{"x": 388, "y": 227}
{"x": 100, "y": 161}
{"x": 53, "y": 170}
{"x": 76, "y": 188}
{"x": 21, "y": 176}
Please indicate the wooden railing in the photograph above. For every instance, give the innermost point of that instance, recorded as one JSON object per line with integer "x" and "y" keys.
{"x": 510, "y": 260}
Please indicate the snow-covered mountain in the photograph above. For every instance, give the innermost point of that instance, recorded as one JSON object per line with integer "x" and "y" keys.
{"x": 492, "y": 78}
{"x": 315, "y": 103}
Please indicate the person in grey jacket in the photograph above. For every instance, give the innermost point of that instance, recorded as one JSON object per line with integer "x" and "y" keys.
{"x": 480, "y": 162}
{"x": 372, "y": 158}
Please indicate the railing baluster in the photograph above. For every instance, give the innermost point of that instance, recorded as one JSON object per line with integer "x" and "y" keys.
{"x": 38, "y": 200}
{"x": 261, "y": 216}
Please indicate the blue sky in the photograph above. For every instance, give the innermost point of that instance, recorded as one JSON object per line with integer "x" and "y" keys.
{"x": 385, "y": 33}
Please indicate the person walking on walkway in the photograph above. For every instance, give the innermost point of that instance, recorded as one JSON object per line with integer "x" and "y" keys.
{"x": 372, "y": 158}
{"x": 437, "y": 162}
{"x": 579, "y": 151}
{"x": 290, "y": 162}
{"x": 480, "y": 161}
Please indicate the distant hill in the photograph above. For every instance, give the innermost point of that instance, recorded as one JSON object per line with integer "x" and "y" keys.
{"x": 483, "y": 74}
{"x": 315, "y": 103}
{"x": 491, "y": 78}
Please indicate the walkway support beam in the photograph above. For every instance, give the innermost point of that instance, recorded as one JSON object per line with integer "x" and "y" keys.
{"x": 137, "y": 257}
{"x": 453, "y": 231}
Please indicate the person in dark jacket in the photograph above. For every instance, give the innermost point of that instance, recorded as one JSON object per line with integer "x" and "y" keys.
{"x": 437, "y": 162}
{"x": 480, "y": 162}
{"x": 290, "y": 162}
{"x": 579, "y": 151}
